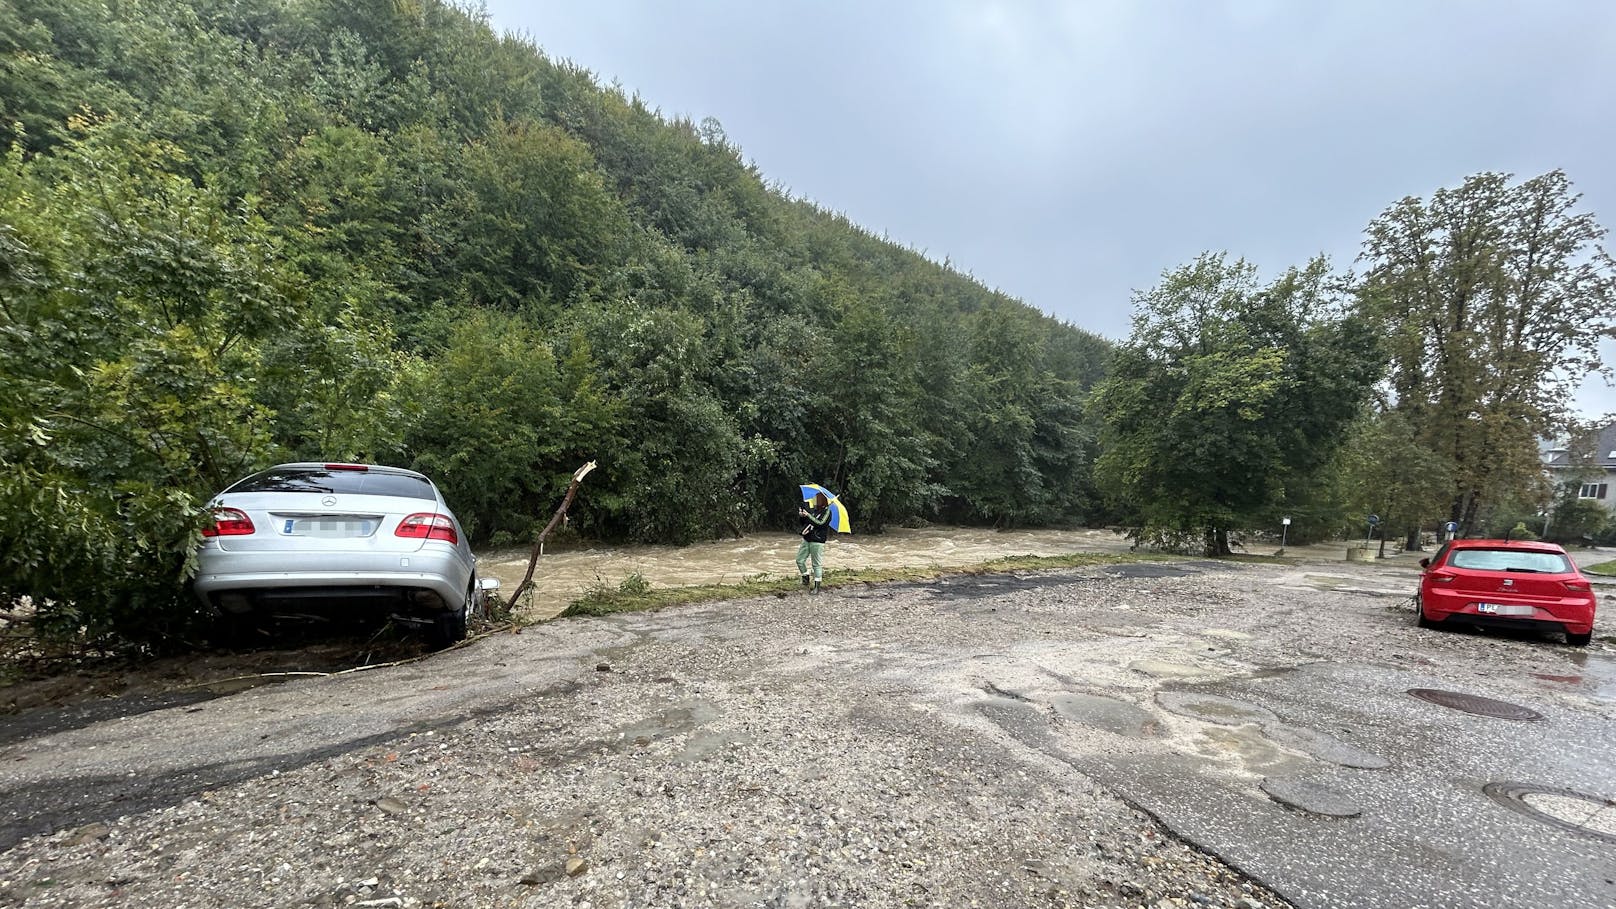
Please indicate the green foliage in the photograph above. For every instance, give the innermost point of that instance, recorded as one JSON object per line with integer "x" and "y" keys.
{"x": 132, "y": 299}
{"x": 500, "y": 423}
{"x": 1384, "y": 468}
{"x": 240, "y": 231}
{"x": 1578, "y": 523}
{"x": 534, "y": 224}
{"x": 1227, "y": 397}
{"x": 1493, "y": 298}
{"x": 1574, "y": 522}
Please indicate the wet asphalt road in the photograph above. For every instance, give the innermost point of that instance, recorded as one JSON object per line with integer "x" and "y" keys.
{"x": 1425, "y": 834}
{"x": 1260, "y": 713}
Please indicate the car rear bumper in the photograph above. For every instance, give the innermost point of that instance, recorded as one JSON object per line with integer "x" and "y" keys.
{"x": 1572, "y": 616}
{"x": 243, "y": 581}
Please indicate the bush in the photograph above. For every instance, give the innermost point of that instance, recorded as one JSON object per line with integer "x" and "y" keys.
{"x": 1578, "y": 521}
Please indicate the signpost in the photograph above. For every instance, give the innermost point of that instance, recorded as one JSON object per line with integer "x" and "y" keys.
{"x": 1451, "y": 528}
{"x": 1374, "y": 519}
{"x": 1284, "y": 532}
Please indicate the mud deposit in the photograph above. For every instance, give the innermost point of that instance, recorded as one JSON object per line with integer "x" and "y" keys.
{"x": 564, "y": 574}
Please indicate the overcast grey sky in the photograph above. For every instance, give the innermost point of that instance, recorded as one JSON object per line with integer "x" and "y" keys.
{"x": 1067, "y": 153}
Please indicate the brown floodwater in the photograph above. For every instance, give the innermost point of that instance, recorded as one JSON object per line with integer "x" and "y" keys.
{"x": 562, "y": 575}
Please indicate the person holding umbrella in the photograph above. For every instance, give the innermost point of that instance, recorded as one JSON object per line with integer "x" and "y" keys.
{"x": 815, "y": 528}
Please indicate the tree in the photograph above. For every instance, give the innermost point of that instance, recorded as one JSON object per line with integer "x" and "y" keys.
{"x": 866, "y": 407}
{"x": 1494, "y": 297}
{"x": 497, "y": 418}
{"x": 131, "y": 309}
{"x": 1383, "y": 469}
{"x": 1228, "y": 396}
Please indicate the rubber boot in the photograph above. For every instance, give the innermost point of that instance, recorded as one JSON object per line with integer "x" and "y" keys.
{"x": 805, "y": 580}
{"x": 816, "y": 587}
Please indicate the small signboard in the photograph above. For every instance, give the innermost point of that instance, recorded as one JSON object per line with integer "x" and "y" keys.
{"x": 1374, "y": 519}
{"x": 1451, "y": 527}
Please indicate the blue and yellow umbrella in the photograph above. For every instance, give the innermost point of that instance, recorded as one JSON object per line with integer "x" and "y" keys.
{"x": 838, "y": 513}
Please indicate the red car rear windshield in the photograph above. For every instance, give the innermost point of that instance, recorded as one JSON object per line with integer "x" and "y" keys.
{"x": 1510, "y": 560}
{"x": 336, "y": 482}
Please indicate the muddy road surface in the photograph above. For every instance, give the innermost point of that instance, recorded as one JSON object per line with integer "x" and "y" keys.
{"x": 1160, "y": 735}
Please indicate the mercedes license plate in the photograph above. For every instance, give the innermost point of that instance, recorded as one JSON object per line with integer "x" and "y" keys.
{"x": 326, "y": 527}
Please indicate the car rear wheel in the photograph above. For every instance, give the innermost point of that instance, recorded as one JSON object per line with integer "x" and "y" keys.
{"x": 1419, "y": 615}
{"x": 1579, "y": 640}
{"x": 449, "y": 627}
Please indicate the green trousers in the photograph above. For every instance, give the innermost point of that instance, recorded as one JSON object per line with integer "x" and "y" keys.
{"x": 815, "y": 551}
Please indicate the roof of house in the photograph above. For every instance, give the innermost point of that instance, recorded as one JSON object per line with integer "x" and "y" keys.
{"x": 1604, "y": 453}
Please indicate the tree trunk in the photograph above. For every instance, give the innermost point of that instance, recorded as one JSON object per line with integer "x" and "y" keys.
{"x": 538, "y": 547}
{"x": 1412, "y": 542}
{"x": 1217, "y": 542}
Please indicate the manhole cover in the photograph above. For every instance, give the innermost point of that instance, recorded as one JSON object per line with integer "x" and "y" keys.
{"x": 1471, "y": 703}
{"x": 1590, "y": 815}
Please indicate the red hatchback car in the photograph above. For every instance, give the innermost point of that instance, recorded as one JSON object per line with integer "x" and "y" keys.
{"x": 1506, "y": 584}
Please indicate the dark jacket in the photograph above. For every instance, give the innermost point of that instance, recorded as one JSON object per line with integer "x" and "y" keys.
{"x": 816, "y": 527}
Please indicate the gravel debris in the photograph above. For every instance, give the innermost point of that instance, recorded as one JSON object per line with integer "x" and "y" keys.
{"x": 873, "y": 746}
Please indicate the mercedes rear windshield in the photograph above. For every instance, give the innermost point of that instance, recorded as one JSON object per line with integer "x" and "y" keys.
{"x": 335, "y": 482}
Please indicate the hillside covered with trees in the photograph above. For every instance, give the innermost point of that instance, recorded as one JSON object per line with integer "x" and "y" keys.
{"x": 234, "y": 233}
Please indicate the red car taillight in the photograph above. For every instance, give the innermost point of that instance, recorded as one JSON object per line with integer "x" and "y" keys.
{"x": 228, "y": 522}
{"x": 428, "y": 526}
{"x": 1442, "y": 577}
{"x": 1577, "y": 586}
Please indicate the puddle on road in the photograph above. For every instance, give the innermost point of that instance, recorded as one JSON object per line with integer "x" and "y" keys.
{"x": 1213, "y": 708}
{"x": 979, "y": 587}
{"x": 1255, "y": 752}
{"x": 1108, "y": 714}
{"x": 1598, "y": 678}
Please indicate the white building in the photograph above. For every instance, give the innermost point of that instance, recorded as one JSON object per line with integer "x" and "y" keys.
{"x": 1596, "y": 478}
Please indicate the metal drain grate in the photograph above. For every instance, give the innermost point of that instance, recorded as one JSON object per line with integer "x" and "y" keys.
{"x": 1471, "y": 703}
{"x": 1590, "y": 815}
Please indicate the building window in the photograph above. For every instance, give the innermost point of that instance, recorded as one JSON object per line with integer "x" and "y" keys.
{"x": 1593, "y": 490}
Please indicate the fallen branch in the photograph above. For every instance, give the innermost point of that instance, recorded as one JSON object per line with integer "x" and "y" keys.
{"x": 538, "y": 547}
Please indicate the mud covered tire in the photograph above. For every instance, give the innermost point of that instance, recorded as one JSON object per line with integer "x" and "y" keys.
{"x": 449, "y": 627}
{"x": 1579, "y": 640}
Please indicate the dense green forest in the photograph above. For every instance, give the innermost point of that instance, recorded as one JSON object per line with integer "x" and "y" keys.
{"x": 236, "y": 232}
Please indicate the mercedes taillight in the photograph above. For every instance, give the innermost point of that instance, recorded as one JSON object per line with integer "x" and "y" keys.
{"x": 228, "y": 522}
{"x": 428, "y": 526}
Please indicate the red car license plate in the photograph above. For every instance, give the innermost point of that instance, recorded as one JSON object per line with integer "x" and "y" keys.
{"x": 1502, "y": 609}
